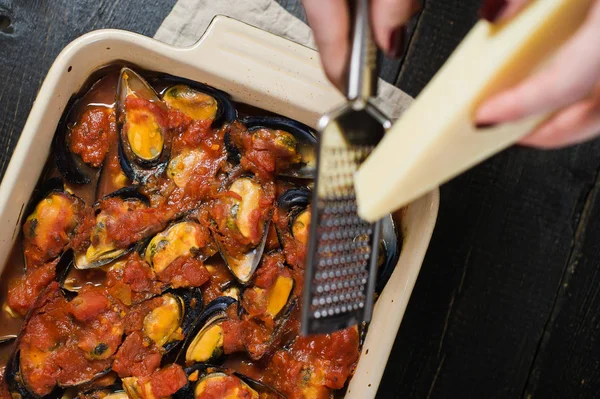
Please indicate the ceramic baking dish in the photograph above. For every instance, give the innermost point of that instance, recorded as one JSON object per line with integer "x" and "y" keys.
{"x": 255, "y": 67}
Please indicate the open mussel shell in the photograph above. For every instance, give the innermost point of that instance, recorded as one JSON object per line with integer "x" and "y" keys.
{"x": 70, "y": 166}
{"x": 389, "y": 251}
{"x": 295, "y": 202}
{"x": 132, "y": 193}
{"x": 144, "y": 144}
{"x": 54, "y": 184}
{"x": 105, "y": 251}
{"x": 199, "y": 101}
{"x": 243, "y": 265}
{"x": 293, "y": 137}
{"x": 180, "y": 239}
{"x": 168, "y": 324}
{"x": 278, "y": 298}
{"x": 18, "y": 387}
{"x": 51, "y": 208}
{"x": 204, "y": 343}
{"x": 114, "y": 391}
{"x": 7, "y": 339}
{"x": 211, "y": 381}
{"x": 90, "y": 117}
{"x": 257, "y": 352}
{"x": 63, "y": 269}
{"x": 45, "y": 191}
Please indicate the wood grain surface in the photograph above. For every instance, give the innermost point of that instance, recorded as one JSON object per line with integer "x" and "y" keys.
{"x": 507, "y": 302}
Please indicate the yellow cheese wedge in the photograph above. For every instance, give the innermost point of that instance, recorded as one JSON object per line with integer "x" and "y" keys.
{"x": 435, "y": 139}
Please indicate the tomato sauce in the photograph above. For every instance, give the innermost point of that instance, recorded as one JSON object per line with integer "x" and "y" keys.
{"x": 91, "y": 137}
{"x": 74, "y": 338}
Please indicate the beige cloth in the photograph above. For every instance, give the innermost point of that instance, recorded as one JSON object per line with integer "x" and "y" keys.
{"x": 190, "y": 18}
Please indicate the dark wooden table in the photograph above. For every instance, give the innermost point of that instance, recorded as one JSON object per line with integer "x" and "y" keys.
{"x": 507, "y": 302}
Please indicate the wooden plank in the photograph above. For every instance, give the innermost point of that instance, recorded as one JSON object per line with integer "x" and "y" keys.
{"x": 441, "y": 27}
{"x": 503, "y": 240}
{"x": 567, "y": 362}
{"x": 39, "y": 31}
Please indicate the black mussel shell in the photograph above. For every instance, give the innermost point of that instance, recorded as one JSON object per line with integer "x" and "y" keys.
{"x": 70, "y": 166}
{"x": 53, "y": 187}
{"x": 244, "y": 265}
{"x": 295, "y": 202}
{"x": 55, "y": 184}
{"x": 389, "y": 251}
{"x": 17, "y": 386}
{"x": 128, "y": 193}
{"x": 151, "y": 155}
{"x": 306, "y": 143}
{"x": 202, "y": 371}
{"x": 208, "y": 321}
{"x": 226, "y": 112}
{"x": 280, "y": 322}
{"x": 181, "y": 230}
{"x": 295, "y": 197}
{"x": 114, "y": 391}
{"x": 63, "y": 268}
{"x": 189, "y": 308}
{"x": 280, "y": 296}
{"x": 7, "y": 339}
{"x": 110, "y": 254}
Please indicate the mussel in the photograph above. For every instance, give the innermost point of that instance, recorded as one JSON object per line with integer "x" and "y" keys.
{"x": 199, "y": 101}
{"x": 40, "y": 365}
{"x": 6, "y": 339}
{"x": 267, "y": 311}
{"x": 18, "y": 387}
{"x": 295, "y": 204}
{"x": 114, "y": 391}
{"x": 102, "y": 249}
{"x": 85, "y": 133}
{"x": 205, "y": 341}
{"x": 161, "y": 384}
{"x": 211, "y": 381}
{"x": 291, "y": 142}
{"x": 181, "y": 239}
{"x": 144, "y": 145}
{"x": 53, "y": 219}
{"x": 235, "y": 215}
{"x": 272, "y": 301}
{"x": 389, "y": 251}
{"x": 168, "y": 323}
{"x": 181, "y": 166}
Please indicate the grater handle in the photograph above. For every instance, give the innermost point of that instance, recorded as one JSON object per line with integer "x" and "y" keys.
{"x": 362, "y": 65}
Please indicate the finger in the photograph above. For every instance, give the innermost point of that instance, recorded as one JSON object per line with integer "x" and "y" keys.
{"x": 388, "y": 18}
{"x": 575, "y": 124}
{"x": 499, "y": 10}
{"x": 513, "y": 7}
{"x": 329, "y": 22}
{"x": 568, "y": 78}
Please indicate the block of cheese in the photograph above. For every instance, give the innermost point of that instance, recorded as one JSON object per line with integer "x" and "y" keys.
{"x": 435, "y": 139}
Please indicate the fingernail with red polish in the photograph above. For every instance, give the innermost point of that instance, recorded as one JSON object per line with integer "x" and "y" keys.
{"x": 492, "y": 9}
{"x": 396, "y": 46}
{"x": 485, "y": 125}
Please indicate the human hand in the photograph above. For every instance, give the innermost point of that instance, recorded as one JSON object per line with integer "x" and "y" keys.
{"x": 330, "y": 22}
{"x": 569, "y": 87}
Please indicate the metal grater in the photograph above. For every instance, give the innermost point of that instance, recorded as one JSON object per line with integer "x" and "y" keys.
{"x": 342, "y": 252}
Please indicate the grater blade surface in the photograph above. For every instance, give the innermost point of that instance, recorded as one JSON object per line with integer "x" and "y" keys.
{"x": 342, "y": 257}
{"x": 342, "y": 252}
